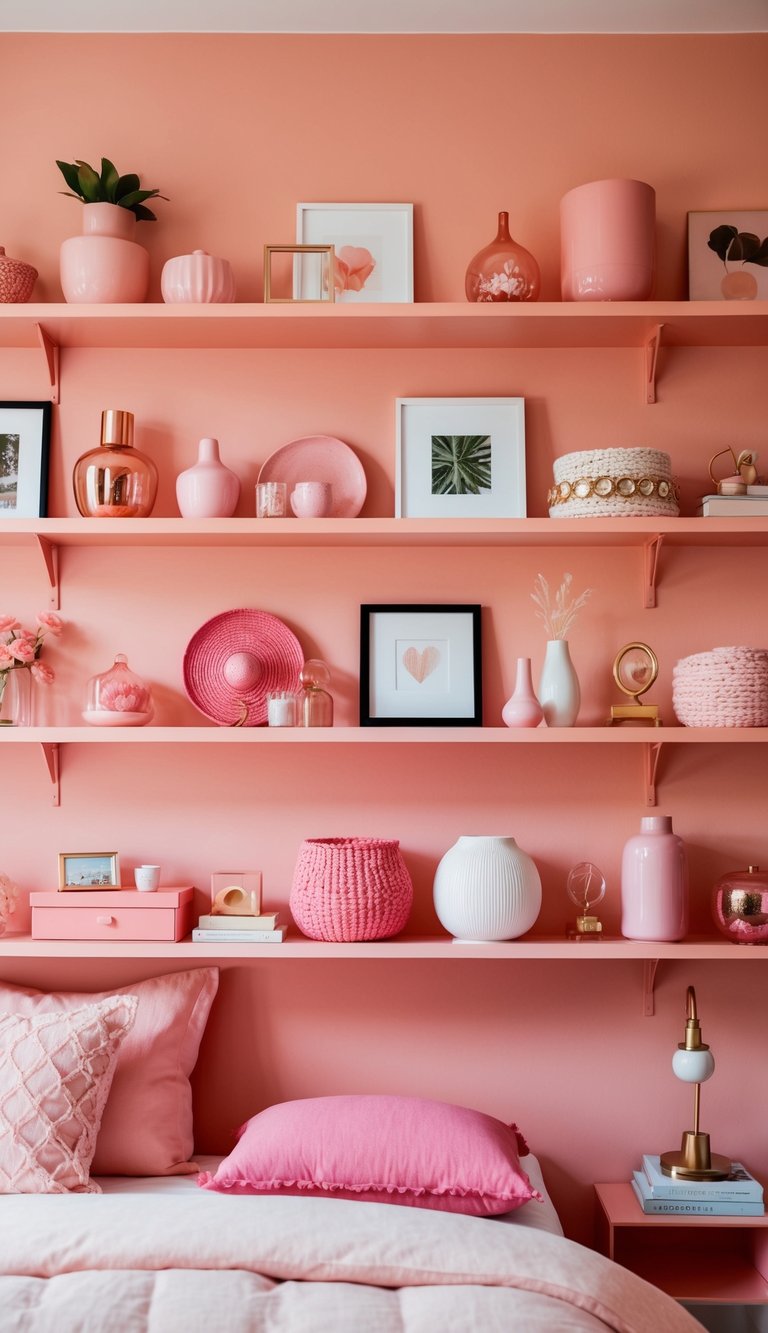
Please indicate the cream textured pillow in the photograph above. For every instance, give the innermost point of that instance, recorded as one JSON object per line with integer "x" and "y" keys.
{"x": 55, "y": 1074}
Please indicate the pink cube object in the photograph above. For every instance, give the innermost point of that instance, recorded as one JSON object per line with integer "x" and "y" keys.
{"x": 123, "y": 914}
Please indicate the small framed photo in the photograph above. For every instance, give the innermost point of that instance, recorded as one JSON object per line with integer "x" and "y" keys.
{"x": 25, "y": 438}
{"x": 89, "y": 870}
{"x": 298, "y": 273}
{"x": 460, "y": 458}
{"x": 420, "y": 666}
{"x": 728, "y": 255}
{"x": 373, "y": 246}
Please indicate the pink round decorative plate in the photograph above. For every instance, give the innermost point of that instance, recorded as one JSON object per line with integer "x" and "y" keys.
{"x": 234, "y": 660}
{"x": 321, "y": 458}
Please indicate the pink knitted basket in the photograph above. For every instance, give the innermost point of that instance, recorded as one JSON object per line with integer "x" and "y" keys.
{"x": 727, "y": 687}
{"x": 347, "y": 889}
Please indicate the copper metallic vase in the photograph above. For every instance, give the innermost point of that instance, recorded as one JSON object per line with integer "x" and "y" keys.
{"x": 115, "y": 480}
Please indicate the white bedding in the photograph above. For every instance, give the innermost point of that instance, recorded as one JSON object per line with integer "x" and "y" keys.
{"x": 540, "y": 1216}
{"x": 176, "y": 1259}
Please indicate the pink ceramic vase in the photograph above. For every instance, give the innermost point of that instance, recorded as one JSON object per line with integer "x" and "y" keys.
{"x": 209, "y": 489}
{"x": 607, "y": 241}
{"x": 654, "y": 883}
{"x": 105, "y": 264}
{"x": 523, "y": 708}
{"x": 199, "y": 277}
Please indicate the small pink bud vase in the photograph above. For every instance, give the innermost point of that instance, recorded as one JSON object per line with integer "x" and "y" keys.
{"x": 523, "y": 708}
{"x": 503, "y": 270}
{"x": 104, "y": 265}
{"x": 209, "y": 489}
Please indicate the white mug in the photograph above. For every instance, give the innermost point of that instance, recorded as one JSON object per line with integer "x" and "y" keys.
{"x": 147, "y": 878}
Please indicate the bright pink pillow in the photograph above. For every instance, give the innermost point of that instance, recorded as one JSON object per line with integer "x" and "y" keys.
{"x": 379, "y": 1149}
{"x": 147, "y": 1128}
{"x": 55, "y": 1074}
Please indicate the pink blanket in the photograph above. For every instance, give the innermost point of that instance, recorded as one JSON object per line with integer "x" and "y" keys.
{"x": 88, "y": 1264}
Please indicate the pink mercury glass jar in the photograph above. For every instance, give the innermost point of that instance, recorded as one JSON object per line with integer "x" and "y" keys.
{"x": 654, "y": 883}
{"x": 740, "y": 906}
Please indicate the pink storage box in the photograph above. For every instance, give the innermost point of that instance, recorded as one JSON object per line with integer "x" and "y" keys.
{"x": 122, "y": 914}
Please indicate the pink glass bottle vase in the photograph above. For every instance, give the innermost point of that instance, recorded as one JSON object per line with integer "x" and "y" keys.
{"x": 503, "y": 270}
{"x": 654, "y": 883}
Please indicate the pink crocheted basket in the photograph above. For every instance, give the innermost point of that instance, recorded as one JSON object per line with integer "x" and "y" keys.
{"x": 727, "y": 687}
{"x": 347, "y": 889}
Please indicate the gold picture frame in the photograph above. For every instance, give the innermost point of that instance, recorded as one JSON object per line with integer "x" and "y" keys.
{"x": 325, "y": 283}
{"x": 88, "y": 872}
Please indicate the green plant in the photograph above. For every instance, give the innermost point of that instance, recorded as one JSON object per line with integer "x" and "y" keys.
{"x": 461, "y": 464}
{"x": 107, "y": 187}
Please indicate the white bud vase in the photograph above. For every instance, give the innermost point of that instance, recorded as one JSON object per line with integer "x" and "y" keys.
{"x": 559, "y": 693}
{"x": 487, "y": 889}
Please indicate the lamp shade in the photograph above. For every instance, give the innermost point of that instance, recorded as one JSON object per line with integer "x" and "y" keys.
{"x": 693, "y": 1066}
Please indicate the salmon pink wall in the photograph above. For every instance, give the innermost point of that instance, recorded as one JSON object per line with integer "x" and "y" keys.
{"x": 236, "y": 130}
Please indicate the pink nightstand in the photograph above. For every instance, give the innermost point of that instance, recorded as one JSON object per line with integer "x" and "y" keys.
{"x": 704, "y": 1260}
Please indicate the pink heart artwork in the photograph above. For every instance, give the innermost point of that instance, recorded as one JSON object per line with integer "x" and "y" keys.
{"x": 421, "y": 664}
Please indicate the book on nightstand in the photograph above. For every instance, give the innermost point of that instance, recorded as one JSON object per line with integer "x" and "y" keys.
{"x": 740, "y": 1186}
{"x": 701, "y": 1207}
{"x": 202, "y": 936}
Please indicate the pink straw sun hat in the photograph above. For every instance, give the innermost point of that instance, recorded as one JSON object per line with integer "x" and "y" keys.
{"x": 233, "y": 662}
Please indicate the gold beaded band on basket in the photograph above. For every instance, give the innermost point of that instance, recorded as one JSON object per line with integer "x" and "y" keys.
{"x": 604, "y": 488}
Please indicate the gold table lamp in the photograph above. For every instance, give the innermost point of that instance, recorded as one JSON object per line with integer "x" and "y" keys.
{"x": 693, "y": 1062}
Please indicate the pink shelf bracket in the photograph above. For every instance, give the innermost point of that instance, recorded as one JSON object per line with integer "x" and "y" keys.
{"x": 651, "y": 754}
{"x": 50, "y": 554}
{"x": 651, "y": 550}
{"x": 652, "y": 345}
{"x": 51, "y": 354}
{"x": 51, "y": 757}
{"x": 649, "y": 981}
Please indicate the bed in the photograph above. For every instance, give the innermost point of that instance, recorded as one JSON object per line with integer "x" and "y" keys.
{"x": 160, "y": 1255}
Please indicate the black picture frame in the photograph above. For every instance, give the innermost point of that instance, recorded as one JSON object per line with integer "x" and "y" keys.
{"x": 390, "y": 687}
{"x": 25, "y": 442}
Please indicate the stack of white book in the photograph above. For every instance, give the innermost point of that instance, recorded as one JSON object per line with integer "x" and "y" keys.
{"x": 740, "y": 1195}
{"x": 754, "y": 504}
{"x": 263, "y": 929}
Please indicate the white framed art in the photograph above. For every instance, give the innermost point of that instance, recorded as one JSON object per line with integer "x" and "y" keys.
{"x": 373, "y": 248}
{"x": 460, "y": 458}
{"x": 728, "y": 255}
{"x": 420, "y": 665}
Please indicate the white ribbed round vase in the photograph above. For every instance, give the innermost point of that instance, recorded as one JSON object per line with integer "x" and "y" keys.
{"x": 487, "y": 889}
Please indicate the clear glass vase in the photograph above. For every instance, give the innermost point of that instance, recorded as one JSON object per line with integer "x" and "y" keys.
{"x": 503, "y": 270}
{"x": 15, "y": 697}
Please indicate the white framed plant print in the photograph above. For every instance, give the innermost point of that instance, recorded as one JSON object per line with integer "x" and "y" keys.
{"x": 728, "y": 255}
{"x": 460, "y": 458}
{"x": 373, "y": 248}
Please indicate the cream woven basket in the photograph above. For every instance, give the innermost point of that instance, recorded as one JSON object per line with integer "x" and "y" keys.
{"x": 613, "y": 483}
{"x": 727, "y": 687}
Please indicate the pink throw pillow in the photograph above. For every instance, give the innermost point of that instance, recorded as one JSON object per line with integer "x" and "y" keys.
{"x": 379, "y": 1149}
{"x": 147, "y": 1127}
{"x": 55, "y": 1074}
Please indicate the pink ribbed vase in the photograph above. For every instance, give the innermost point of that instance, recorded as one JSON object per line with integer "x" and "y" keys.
{"x": 347, "y": 889}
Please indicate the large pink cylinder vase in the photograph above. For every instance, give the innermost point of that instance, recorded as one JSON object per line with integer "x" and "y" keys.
{"x": 608, "y": 241}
